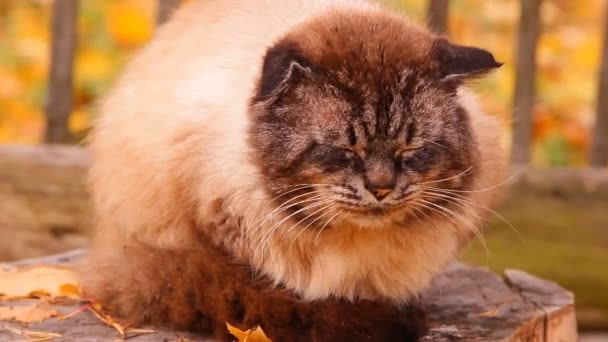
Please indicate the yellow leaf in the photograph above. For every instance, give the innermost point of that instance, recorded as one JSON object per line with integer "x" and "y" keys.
{"x": 79, "y": 120}
{"x": 92, "y": 65}
{"x": 125, "y": 331}
{"x": 251, "y": 335}
{"x": 27, "y": 314}
{"x": 129, "y": 25}
{"x": 238, "y": 333}
{"x": 258, "y": 335}
{"x": 37, "y": 335}
{"x": 11, "y": 85}
{"x": 69, "y": 290}
{"x": 36, "y": 281}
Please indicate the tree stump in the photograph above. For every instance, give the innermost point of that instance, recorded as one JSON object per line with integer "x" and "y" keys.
{"x": 464, "y": 303}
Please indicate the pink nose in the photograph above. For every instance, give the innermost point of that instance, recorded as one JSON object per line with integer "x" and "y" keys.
{"x": 380, "y": 193}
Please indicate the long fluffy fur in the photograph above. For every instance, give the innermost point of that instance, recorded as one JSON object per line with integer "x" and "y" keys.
{"x": 202, "y": 290}
{"x": 171, "y": 160}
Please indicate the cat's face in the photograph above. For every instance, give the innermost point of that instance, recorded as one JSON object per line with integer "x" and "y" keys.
{"x": 363, "y": 132}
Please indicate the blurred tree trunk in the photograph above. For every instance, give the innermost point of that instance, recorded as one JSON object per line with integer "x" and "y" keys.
{"x": 599, "y": 145}
{"x": 4, "y": 7}
{"x": 63, "y": 45}
{"x": 523, "y": 102}
{"x": 165, "y": 9}
{"x": 437, "y": 15}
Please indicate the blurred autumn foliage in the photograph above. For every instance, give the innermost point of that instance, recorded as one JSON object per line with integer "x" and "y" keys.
{"x": 109, "y": 31}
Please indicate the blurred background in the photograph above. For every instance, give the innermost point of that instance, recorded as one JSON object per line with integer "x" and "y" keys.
{"x": 58, "y": 57}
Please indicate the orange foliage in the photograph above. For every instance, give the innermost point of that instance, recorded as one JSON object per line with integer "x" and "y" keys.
{"x": 109, "y": 31}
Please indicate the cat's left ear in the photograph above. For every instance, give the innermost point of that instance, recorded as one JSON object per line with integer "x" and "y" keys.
{"x": 457, "y": 62}
{"x": 284, "y": 66}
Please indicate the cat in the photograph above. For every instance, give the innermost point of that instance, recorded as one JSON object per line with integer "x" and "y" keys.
{"x": 328, "y": 148}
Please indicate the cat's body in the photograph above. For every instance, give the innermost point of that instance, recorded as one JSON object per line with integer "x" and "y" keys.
{"x": 182, "y": 150}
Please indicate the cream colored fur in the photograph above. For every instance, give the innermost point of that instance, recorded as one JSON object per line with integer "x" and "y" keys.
{"x": 171, "y": 137}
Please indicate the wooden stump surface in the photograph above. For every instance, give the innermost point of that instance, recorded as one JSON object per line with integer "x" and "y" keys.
{"x": 465, "y": 303}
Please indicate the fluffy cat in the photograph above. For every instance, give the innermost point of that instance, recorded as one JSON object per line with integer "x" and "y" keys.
{"x": 326, "y": 148}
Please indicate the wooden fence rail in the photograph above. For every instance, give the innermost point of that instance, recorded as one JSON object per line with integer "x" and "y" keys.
{"x": 64, "y": 33}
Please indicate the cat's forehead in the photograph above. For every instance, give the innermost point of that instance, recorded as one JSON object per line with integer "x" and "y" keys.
{"x": 378, "y": 112}
{"x": 365, "y": 49}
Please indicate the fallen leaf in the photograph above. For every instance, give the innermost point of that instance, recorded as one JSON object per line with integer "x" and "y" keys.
{"x": 251, "y": 335}
{"x": 34, "y": 336}
{"x": 107, "y": 319}
{"x": 27, "y": 313}
{"x": 124, "y": 330}
{"x": 238, "y": 333}
{"x": 38, "y": 281}
{"x": 69, "y": 290}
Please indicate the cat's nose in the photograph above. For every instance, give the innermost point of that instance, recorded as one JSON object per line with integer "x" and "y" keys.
{"x": 380, "y": 192}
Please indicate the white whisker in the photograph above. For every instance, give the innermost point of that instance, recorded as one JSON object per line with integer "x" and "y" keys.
{"x": 413, "y": 206}
{"x": 446, "y": 179}
{"x": 331, "y": 210}
{"x": 469, "y": 201}
{"x": 436, "y": 143}
{"x": 495, "y": 186}
{"x": 313, "y": 213}
{"x": 325, "y": 225}
{"x": 471, "y": 226}
{"x": 277, "y": 225}
{"x": 307, "y": 184}
{"x": 290, "y": 191}
{"x": 284, "y": 207}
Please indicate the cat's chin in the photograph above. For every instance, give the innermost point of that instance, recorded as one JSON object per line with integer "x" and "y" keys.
{"x": 377, "y": 218}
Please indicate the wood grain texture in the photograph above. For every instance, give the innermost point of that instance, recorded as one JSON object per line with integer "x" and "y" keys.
{"x": 44, "y": 203}
{"x": 465, "y": 303}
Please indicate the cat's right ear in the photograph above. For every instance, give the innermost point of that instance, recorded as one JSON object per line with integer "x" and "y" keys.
{"x": 457, "y": 62}
{"x": 284, "y": 65}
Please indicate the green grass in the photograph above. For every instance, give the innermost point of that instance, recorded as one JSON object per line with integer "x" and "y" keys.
{"x": 561, "y": 239}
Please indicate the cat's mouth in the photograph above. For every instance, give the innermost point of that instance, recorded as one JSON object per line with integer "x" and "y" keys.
{"x": 370, "y": 210}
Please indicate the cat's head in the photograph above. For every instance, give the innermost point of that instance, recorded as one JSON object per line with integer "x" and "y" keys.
{"x": 358, "y": 118}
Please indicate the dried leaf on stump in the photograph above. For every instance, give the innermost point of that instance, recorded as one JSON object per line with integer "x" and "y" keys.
{"x": 124, "y": 330}
{"x": 33, "y": 335}
{"x": 251, "y": 335}
{"x": 27, "y": 313}
{"x": 38, "y": 281}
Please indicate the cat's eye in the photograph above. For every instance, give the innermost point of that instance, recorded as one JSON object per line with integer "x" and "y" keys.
{"x": 406, "y": 152}
{"x": 336, "y": 158}
{"x": 346, "y": 157}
